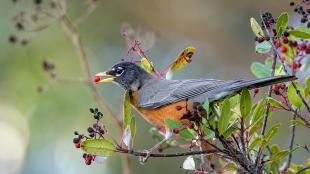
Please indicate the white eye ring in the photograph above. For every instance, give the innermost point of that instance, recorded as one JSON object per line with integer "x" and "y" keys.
{"x": 119, "y": 71}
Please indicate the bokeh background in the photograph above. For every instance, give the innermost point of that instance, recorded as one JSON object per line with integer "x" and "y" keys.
{"x": 36, "y": 129}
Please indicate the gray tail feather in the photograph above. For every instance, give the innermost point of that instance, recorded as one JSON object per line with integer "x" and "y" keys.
{"x": 256, "y": 83}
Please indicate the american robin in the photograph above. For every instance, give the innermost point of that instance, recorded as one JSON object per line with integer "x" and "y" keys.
{"x": 156, "y": 99}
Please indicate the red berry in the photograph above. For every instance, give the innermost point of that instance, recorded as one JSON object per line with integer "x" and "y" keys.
{"x": 256, "y": 90}
{"x": 284, "y": 39}
{"x": 176, "y": 130}
{"x": 88, "y": 162}
{"x": 295, "y": 65}
{"x": 77, "y": 145}
{"x": 96, "y": 79}
{"x": 89, "y": 157}
{"x": 282, "y": 57}
{"x": 283, "y": 49}
{"x": 275, "y": 87}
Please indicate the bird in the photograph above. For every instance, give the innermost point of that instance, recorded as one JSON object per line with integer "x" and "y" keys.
{"x": 156, "y": 98}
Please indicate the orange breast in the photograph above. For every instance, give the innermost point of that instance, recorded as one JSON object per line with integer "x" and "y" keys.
{"x": 158, "y": 116}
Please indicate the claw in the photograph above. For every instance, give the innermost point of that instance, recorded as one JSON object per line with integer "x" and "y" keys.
{"x": 143, "y": 159}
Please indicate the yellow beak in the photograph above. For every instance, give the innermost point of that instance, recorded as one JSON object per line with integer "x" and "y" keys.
{"x": 108, "y": 78}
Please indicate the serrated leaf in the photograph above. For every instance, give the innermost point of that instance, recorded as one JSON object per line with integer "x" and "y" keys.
{"x": 256, "y": 142}
{"x": 274, "y": 102}
{"x": 271, "y": 133}
{"x": 256, "y": 28}
{"x": 184, "y": 58}
{"x": 279, "y": 156}
{"x": 102, "y": 147}
{"x": 245, "y": 103}
{"x": 282, "y": 23}
{"x": 147, "y": 65}
{"x": 189, "y": 163}
{"x": 223, "y": 122}
{"x": 260, "y": 70}
{"x": 293, "y": 96}
{"x": 133, "y": 127}
{"x": 263, "y": 47}
{"x": 173, "y": 124}
{"x": 188, "y": 134}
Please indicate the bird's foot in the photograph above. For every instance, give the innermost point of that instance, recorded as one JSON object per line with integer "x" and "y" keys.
{"x": 143, "y": 159}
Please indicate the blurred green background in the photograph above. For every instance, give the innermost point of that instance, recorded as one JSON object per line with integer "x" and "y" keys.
{"x": 36, "y": 129}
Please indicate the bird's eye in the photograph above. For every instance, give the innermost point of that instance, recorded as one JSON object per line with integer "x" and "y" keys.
{"x": 119, "y": 71}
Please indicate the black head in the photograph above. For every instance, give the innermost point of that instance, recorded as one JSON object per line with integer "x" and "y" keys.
{"x": 127, "y": 74}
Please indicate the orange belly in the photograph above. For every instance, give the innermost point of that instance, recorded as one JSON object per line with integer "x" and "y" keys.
{"x": 158, "y": 116}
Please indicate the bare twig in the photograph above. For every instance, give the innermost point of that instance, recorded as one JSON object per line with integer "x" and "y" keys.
{"x": 304, "y": 169}
{"x": 144, "y": 154}
{"x": 274, "y": 62}
{"x": 291, "y": 141}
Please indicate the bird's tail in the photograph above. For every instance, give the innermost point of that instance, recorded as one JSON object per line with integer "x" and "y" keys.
{"x": 256, "y": 83}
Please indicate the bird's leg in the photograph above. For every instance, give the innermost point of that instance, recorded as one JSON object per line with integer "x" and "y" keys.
{"x": 168, "y": 135}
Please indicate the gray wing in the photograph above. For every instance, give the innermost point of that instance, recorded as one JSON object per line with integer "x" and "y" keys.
{"x": 170, "y": 91}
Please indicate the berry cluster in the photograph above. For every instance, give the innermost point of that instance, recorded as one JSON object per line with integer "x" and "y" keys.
{"x": 97, "y": 131}
{"x": 302, "y": 9}
{"x": 195, "y": 114}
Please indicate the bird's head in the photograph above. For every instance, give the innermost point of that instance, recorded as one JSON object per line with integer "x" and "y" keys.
{"x": 128, "y": 75}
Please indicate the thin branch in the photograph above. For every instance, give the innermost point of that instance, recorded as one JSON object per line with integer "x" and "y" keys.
{"x": 302, "y": 170}
{"x": 75, "y": 37}
{"x": 144, "y": 154}
{"x": 274, "y": 62}
{"x": 91, "y": 8}
{"x": 291, "y": 142}
{"x": 275, "y": 50}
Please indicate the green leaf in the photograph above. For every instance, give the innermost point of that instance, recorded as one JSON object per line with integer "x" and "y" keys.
{"x": 257, "y": 141}
{"x": 300, "y": 32}
{"x": 282, "y": 23}
{"x": 206, "y": 105}
{"x": 293, "y": 96}
{"x": 258, "y": 112}
{"x": 127, "y": 109}
{"x": 173, "y": 124}
{"x": 307, "y": 86}
{"x": 188, "y": 134}
{"x": 279, "y": 156}
{"x": 223, "y": 122}
{"x": 263, "y": 47}
{"x": 147, "y": 65}
{"x": 274, "y": 148}
{"x": 260, "y": 70}
{"x": 307, "y": 63}
{"x": 155, "y": 134}
{"x": 245, "y": 103}
{"x": 102, "y": 147}
{"x": 133, "y": 127}
{"x": 256, "y": 28}
{"x": 274, "y": 102}
{"x": 229, "y": 131}
{"x": 209, "y": 134}
{"x": 271, "y": 133}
